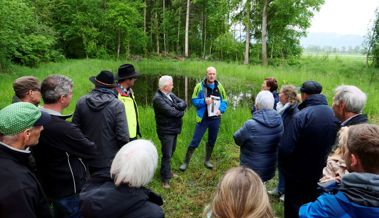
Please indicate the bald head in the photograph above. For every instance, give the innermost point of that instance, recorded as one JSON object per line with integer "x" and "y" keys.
{"x": 211, "y": 75}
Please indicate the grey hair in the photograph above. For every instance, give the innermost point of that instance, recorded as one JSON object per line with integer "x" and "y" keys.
{"x": 264, "y": 100}
{"x": 164, "y": 80}
{"x": 55, "y": 86}
{"x": 135, "y": 163}
{"x": 354, "y": 99}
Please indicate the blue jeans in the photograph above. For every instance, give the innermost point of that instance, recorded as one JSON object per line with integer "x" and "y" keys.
{"x": 67, "y": 207}
{"x": 168, "y": 143}
{"x": 212, "y": 124}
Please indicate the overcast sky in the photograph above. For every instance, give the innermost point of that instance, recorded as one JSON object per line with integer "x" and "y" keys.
{"x": 345, "y": 16}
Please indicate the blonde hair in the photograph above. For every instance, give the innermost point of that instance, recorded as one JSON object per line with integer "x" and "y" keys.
{"x": 240, "y": 194}
{"x": 291, "y": 93}
{"x": 343, "y": 135}
{"x": 135, "y": 163}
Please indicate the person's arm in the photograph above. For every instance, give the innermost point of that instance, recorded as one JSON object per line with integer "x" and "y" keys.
{"x": 121, "y": 130}
{"x": 180, "y": 103}
{"x": 224, "y": 99}
{"x": 198, "y": 99}
{"x": 321, "y": 208}
{"x": 161, "y": 106}
{"x": 290, "y": 137}
{"x": 76, "y": 116}
{"x": 77, "y": 143}
{"x": 242, "y": 134}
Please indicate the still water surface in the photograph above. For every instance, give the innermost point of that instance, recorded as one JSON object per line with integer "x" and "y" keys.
{"x": 146, "y": 86}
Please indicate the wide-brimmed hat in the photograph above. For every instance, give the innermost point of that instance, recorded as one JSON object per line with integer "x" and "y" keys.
{"x": 126, "y": 71}
{"x": 20, "y": 116}
{"x": 104, "y": 79}
{"x": 311, "y": 87}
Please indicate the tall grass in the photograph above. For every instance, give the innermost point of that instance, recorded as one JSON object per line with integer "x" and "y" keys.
{"x": 193, "y": 189}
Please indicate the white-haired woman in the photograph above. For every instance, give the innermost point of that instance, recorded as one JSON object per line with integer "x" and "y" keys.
{"x": 122, "y": 193}
{"x": 259, "y": 137}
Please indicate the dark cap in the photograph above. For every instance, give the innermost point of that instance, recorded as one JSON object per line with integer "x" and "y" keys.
{"x": 311, "y": 87}
{"x": 126, "y": 71}
{"x": 104, "y": 79}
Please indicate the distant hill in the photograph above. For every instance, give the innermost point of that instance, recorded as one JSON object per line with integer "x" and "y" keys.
{"x": 332, "y": 39}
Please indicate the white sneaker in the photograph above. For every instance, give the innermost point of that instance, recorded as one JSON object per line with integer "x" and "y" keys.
{"x": 274, "y": 192}
{"x": 282, "y": 197}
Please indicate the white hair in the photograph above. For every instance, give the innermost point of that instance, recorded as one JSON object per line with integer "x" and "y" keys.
{"x": 135, "y": 163}
{"x": 164, "y": 80}
{"x": 211, "y": 69}
{"x": 352, "y": 96}
{"x": 264, "y": 100}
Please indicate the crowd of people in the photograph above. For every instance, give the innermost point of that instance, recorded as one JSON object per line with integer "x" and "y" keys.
{"x": 98, "y": 165}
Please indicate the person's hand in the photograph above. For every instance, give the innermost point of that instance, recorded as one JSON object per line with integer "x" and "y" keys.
{"x": 208, "y": 100}
{"x": 218, "y": 113}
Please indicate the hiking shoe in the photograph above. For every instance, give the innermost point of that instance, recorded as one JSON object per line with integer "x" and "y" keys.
{"x": 165, "y": 185}
{"x": 275, "y": 192}
{"x": 208, "y": 165}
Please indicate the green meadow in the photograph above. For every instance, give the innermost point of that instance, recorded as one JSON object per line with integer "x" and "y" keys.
{"x": 193, "y": 189}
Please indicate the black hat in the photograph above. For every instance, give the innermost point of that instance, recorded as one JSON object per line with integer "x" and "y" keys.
{"x": 311, "y": 87}
{"x": 126, "y": 71}
{"x": 104, "y": 79}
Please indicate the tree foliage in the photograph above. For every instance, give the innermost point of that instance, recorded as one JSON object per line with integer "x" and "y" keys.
{"x": 124, "y": 28}
{"x": 372, "y": 42}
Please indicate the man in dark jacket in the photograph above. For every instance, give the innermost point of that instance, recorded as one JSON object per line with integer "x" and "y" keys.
{"x": 305, "y": 147}
{"x": 61, "y": 150}
{"x": 20, "y": 192}
{"x": 169, "y": 110}
{"x": 101, "y": 117}
{"x": 358, "y": 194}
{"x": 259, "y": 137}
{"x": 348, "y": 104}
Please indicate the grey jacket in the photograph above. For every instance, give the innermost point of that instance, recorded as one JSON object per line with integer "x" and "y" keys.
{"x": 101, "y": 117}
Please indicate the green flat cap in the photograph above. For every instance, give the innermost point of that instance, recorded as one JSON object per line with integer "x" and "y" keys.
{"x": 20, "y": 116}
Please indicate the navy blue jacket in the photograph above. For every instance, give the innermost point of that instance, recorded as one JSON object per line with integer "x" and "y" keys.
{"x": 259, "y": 139}
{"x": 308, "y": 140}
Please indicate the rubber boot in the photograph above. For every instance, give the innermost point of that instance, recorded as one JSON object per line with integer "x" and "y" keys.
{"x": 185, "y": 164}
{"x": 208, "y": 153}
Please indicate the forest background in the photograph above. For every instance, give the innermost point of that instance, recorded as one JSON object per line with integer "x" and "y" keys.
{"x": 245, "y": 40}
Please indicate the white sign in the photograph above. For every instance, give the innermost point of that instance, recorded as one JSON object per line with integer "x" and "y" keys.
{"x": 214, "y": 107}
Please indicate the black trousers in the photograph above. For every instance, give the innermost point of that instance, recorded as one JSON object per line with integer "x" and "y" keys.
{"x": 168, "y": 143}
{"x": 297, "y": 194}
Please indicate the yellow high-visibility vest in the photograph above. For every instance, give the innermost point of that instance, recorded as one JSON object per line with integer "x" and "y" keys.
{"x": 131, "y": 112}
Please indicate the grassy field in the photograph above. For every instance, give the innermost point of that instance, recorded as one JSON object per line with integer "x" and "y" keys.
{"x": 192, "y": 190}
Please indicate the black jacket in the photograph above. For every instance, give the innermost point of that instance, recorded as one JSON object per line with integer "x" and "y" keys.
{"x": 308, "y": 140}
{"x": 20, "y": 193}
{"x": 168, "y": 114}
{"x": 101, "y": 117}
{"x": 101, "y": 198}
{"x": 359, "y": 119}
{"x": 59, "y": 157}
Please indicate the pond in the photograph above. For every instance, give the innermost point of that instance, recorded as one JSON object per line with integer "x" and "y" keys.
{"x": 146, "y": 86}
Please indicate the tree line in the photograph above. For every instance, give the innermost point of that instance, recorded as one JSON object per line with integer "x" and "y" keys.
{"x": 249, "y": 31}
